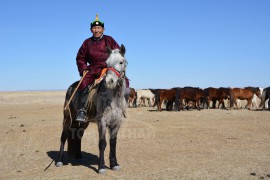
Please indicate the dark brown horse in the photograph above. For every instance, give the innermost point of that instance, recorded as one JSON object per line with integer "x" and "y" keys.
{"x": 132, "y": 98}
{"x": 164, "y": 94}
{"x": 244, "y": 94}
{"x": 194, "y": 94}
{"x": 216, "y": 94}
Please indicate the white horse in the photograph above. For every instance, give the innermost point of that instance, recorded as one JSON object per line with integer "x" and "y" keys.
{"x": 143, "y": 94}
{"x": 107, "y": 109}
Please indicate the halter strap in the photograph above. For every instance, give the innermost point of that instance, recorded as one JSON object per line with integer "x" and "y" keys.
{"x": 115, "y": 71}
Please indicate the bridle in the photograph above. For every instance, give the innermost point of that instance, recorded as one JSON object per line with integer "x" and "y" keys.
{"x": 116, "y": 72}
{"x": 119, "y": 74}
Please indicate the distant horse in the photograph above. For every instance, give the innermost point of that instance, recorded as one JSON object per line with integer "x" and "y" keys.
{"x": 106, "y": 109}
{"x": 162, "y": 95}
{"x": 143, "y": 94}
{"x": 265, "y": 97}
{"x": 194, "y": 94}
{"x": 244, "y": 94}
{"x": 155, "y": 91}
{"x": 255, "y": 99}
{"x": 132, "y": 98}
{"x": 216, "y": 94}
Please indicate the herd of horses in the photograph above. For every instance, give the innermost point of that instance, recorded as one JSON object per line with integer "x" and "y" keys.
{"x": 194, "y": 97}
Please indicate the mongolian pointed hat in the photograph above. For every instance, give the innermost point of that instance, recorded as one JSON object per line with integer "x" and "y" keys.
{"x": 97, "y": 22}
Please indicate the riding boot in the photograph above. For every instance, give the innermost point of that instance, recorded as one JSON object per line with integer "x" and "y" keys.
{"x": 83, "y": 96}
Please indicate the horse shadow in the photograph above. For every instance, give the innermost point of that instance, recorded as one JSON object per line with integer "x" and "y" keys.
{"x": 89, "y": 160}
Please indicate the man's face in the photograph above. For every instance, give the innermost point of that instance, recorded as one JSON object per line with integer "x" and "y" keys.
{"x": 97, "y": 31}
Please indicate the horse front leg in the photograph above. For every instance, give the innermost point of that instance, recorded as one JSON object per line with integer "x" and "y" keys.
{"x": 102, "y": 145}
{"x": 236, "y": 104}
{"x": 214, "y": 104}
{"x": 219, "y": 102}
{"x": 208, "y": 103}
{"x": 113, "y": 140}
{"x": 159, "y": 104}
{"x": 198, "y": 104}
{"x": 249, "y": 102}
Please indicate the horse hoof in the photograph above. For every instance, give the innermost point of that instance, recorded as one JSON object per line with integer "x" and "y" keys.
{"x": 116, "y": 168}
{"x": 59, "y": 164}
{"x": 102, "y": 171}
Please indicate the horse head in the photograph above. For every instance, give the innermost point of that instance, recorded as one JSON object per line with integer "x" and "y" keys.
{"x": 116, "y": 67}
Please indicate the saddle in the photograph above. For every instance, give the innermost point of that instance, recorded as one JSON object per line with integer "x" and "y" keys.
{"x": 91, "y": 109}
{"x": 101, "y": 77}
{"x": 93, "y": 89}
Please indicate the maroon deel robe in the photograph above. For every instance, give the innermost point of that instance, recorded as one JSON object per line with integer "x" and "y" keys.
{"x": 92, "y": 56}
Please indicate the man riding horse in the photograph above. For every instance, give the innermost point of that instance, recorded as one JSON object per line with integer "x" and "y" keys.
{"x": 91, "y": 59}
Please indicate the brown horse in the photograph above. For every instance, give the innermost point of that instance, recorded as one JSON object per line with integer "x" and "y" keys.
{"x": 132, "y": 98}
{"x": 164, "y": 94}
{"x": 244, "y": 94}
{"x": 193, "y": 94}
{"x": 216, "y": 94}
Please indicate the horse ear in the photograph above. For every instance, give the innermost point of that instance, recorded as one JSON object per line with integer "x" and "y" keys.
{"x": 122, "y": 50}
{"x": 108, "y": 49}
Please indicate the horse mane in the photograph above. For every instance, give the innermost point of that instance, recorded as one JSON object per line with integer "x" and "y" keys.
{"x": 253, "y": 89}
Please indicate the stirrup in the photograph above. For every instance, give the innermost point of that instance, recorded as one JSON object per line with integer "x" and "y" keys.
{"x": 81, "y": 116}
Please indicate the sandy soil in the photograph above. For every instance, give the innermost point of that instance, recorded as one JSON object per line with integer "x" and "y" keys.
{"x": 207, "y": 144}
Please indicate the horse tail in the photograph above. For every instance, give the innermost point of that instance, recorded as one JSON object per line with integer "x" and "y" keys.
{"x": 262, "y": 104}
{"x": 176, "y": 102}
{"x": 157, "y": 99}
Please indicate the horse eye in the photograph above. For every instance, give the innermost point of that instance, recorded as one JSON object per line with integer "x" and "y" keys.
{"x": 121, "y": 63}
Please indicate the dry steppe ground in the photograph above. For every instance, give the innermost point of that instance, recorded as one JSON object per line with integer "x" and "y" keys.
{"x": 206, "y": 144}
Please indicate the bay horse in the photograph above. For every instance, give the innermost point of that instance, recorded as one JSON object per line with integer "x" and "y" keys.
{"x": 244, "y": 94}
{"x": 255, "y": 101}
{"x": 194, "y": 94}
{"x": 165, "y": 94}
{"x": 216, "y": 94}
{"x": 107, "y": 108}
{"x": 132, "y": 98}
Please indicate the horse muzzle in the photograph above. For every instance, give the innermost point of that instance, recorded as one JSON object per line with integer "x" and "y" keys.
{"x": 111, "y": 81}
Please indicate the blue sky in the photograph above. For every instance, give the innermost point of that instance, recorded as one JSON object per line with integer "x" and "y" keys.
{"x": 169, "y": 43}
